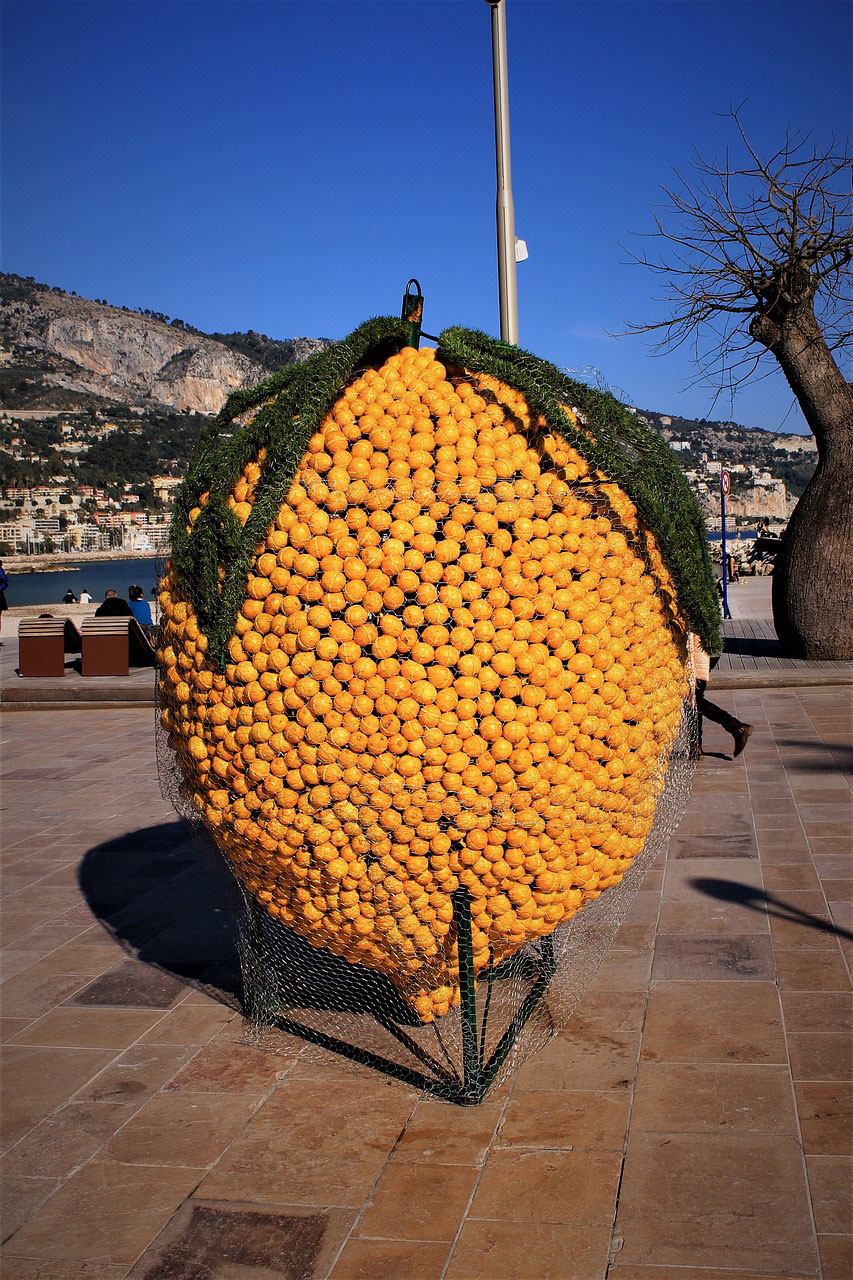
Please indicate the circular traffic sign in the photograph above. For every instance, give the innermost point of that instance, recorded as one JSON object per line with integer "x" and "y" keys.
{"x": 725, "y": 483}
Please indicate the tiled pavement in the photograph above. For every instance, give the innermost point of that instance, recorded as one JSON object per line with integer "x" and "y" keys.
{"x": 691, "y": 1123}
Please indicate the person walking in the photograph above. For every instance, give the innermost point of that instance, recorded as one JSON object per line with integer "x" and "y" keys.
{"x": 707, "y": 710}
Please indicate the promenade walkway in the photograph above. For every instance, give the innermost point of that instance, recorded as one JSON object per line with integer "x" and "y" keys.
{"x": 752, "y": 656}
{"x": 752, "y": 659}
{"x": 692, "y": 1122}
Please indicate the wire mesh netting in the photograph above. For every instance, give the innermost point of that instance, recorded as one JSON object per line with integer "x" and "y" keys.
{"x": 452, "y": 723}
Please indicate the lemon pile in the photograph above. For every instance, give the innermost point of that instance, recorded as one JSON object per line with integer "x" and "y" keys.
{"x": 459, "y": 661}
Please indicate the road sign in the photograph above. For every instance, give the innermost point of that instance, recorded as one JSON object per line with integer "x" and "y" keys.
{"x": 725, "y": 483}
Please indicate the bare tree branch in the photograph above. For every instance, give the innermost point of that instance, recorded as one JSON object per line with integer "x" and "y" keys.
{"x": 746, "y": 248}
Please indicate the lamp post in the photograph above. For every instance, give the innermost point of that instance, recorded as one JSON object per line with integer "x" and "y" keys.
{"x": 725, "y": 487}
{"x": 507, "y": 285}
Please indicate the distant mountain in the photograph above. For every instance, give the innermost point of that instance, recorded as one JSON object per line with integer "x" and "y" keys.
{"x": 102, "y": 394}
{"x": 61, "y": 352}
{"x": 726, "y": 440}
{"x": 787, "y": 457}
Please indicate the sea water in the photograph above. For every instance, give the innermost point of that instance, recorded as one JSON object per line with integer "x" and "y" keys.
{"x": 95, "y": 576}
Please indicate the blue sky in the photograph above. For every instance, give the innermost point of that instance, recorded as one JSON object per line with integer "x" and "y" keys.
{"x": 286, "y": 166}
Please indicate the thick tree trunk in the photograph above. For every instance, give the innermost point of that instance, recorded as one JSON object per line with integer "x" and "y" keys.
{"x": 813, "y": 576}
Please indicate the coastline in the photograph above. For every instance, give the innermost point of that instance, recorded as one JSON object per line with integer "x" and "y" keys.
{"x": 53, "y": 562}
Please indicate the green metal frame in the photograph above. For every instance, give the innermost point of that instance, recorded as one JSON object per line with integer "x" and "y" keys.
{"x": 478, "y": 1074}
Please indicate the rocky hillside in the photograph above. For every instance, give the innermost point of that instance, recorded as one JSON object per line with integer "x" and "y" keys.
{"x": 73, "y": 347}
{"x": 101, "y": 394}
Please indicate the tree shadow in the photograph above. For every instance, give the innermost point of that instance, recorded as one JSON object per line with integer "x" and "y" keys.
{"x": 839, "y": 749}
{"x": 833, "y": 759}
{"x": 760, "y": 900}
{"x": 753, "y": 646}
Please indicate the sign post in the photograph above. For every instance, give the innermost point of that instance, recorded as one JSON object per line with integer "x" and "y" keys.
{"x": 725, "y": 488}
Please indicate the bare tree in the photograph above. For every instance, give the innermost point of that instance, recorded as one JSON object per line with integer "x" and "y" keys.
{"x": 756, "y": 261}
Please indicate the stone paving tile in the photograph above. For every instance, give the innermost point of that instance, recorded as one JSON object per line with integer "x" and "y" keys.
{"x": 338, "y": 1141}
{"x": 802, "y": 921}
{"x": 718, "y": 912}
{"x": 225, "y": 1067}
{"x": 713, "y": 1098}
{"x": 688, "y": 879}
{"x": 37, "y": 1080}
{"x": 826, "y": 1116}
{"x": 600, "y": 1060}
{"x": 489, "y": 1250}
{"x": 89, "y": 959}
{"x": 435, "y": 1197}
{"x": 626, "y": 970}
{"x": 824, "y": 1012}
{"x": 191, "y": 1130}
{"x": 802, "y": 969}
{"x": 190, "y": 1024}
{"x": 66, "y": 1139}
{"x": 105, "y": 1213}
{"x": 791, "y": 878}
{"x": 570, "y": 1120}
{"x": 439, "y": 1133}
{"x": 391, "y": 1260}
{"x": 731, "y": 959}
{"x": 134, "y": 985}
{"x": 548, "y": 1186}
{"x": 88, "y": 1028}
{"x": 714, "y": 1022}
{"x": 831, "y": 1185}
{"x": 136, "y": 1074}
{"x": 35, "y": 994}
{"x": 731, "y": 1201}
{"x": 824, "y": 1056}
{"x": 261, "y": 1242}
{"x": 628, "y": 1272}
{"x": 836, "y": 1256}
{"x": 9, "y": 1028}
{"x": 20, "y": 1197}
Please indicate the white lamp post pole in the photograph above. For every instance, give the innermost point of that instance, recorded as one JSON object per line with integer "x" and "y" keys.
{"x": 507, "y": 285}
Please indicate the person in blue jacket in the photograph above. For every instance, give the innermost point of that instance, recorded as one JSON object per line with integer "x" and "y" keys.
{"x": 139, "y": 606}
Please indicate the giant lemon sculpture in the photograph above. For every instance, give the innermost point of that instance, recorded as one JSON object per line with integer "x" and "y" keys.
{"x": 419, "y": 632}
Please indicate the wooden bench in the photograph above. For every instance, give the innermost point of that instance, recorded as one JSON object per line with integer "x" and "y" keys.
{"x": 111, "y": 646}
{"x": 43, "y": 644}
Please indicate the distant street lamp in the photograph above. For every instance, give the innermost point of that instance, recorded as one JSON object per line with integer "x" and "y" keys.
{"x": 507, "y": 285}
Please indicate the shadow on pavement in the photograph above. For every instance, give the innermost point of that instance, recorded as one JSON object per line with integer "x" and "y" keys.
{"x": 164, "y": 899}
{"x": 752, "y": 646}
{"x": 760, "y": 900}
{"x": 168, "y": 898}
{"x": 840, "y": 750}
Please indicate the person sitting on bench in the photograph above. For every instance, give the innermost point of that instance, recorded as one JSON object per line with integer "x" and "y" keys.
{"x": 139, "y": 606}
{"x": 114, "y": 606}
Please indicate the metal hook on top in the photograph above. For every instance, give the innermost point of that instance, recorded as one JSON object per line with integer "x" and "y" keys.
{"x": 413, "y": 311}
